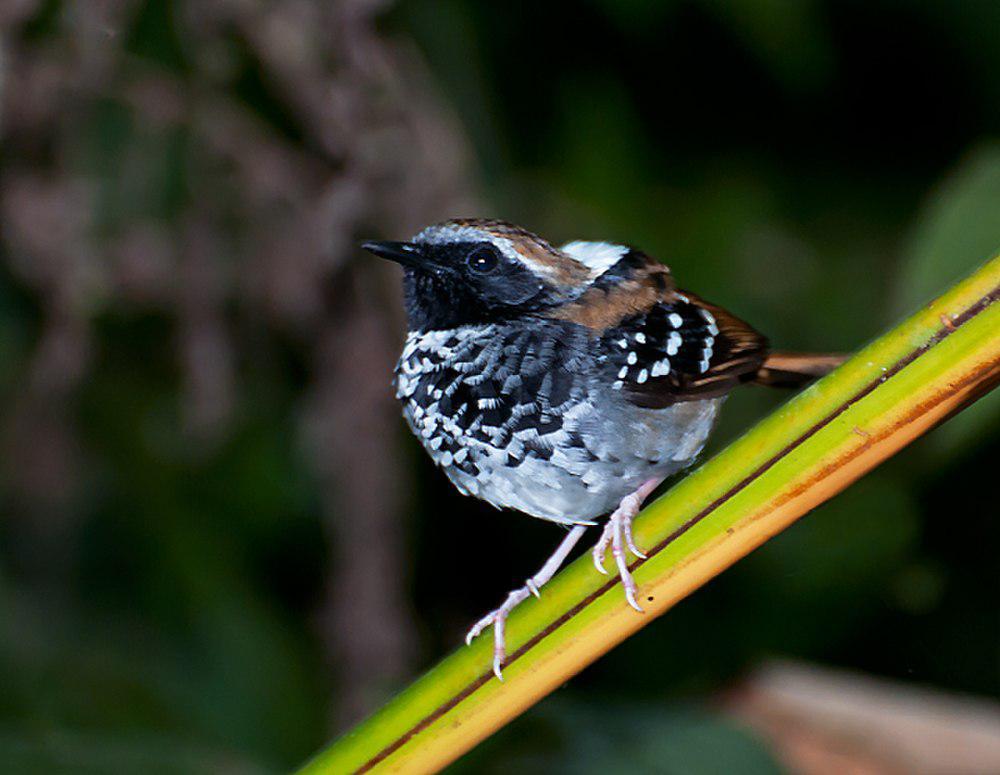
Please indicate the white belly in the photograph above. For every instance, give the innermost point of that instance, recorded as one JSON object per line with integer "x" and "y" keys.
{"x": 631, "y": 446}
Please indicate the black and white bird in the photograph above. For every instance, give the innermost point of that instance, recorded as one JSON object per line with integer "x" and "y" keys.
{"x": 565, "y": 383}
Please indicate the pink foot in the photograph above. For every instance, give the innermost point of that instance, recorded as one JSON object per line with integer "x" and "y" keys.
{"x": 618, "y": 535}
{"x": 498, "y": 618}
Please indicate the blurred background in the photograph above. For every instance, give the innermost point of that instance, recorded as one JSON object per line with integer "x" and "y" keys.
{"x": 218, "y": 544}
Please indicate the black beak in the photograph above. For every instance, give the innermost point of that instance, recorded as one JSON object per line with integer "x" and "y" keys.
{"x": 405, "y": 253}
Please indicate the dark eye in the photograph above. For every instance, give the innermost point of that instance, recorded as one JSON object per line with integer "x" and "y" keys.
{"x": 483, "y": 260}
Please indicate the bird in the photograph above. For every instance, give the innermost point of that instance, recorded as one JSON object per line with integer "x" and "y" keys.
{"x": 566, "y": 383}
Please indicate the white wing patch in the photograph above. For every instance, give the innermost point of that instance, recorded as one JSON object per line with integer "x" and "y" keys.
{"x": 598, "y": 257}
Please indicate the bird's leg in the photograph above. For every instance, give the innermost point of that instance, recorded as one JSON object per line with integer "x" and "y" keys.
{"x": 498, "y": 618}
{"x": 618, "y": 534}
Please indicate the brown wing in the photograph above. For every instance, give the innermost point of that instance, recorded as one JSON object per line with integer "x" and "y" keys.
{"x": 660, "y": 345}
{"x": 681, "y": 348}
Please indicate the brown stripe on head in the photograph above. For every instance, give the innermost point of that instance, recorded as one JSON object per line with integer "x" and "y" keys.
{"x": 537, "y": 254}
{"x": 543, "y": 259}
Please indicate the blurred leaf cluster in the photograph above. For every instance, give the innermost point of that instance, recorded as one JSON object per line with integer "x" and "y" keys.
{"x": 192, "y": 353}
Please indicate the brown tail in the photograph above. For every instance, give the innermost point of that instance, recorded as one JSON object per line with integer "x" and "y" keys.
{"x": 791, "y": 370}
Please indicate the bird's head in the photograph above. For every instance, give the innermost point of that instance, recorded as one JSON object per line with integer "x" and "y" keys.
{"x": 472, "y": 271}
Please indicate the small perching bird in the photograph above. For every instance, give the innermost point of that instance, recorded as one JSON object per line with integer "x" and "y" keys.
{"x": 565, "y": 383}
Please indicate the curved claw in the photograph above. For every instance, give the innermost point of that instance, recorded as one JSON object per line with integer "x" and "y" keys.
{"x": 497, "y": 619}
{"x": 479, "y": 626}
{"x": 628, "y": 584}
{"x": 598, "y": 557}
{"x": 601, "y": 547}
{"x": 630, "y": 542}
{"x": 499, "y": 644}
